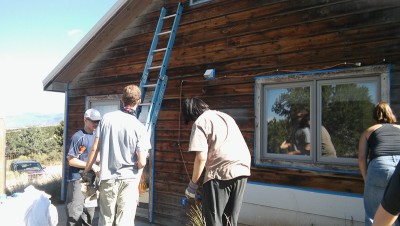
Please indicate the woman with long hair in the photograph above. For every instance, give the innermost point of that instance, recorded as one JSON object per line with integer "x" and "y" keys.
{"x": 378, "y": 155}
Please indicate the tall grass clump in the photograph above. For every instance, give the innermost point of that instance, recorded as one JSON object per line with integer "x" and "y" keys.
{"x": 195, "y": 215}
{"x": 196, "y": 218}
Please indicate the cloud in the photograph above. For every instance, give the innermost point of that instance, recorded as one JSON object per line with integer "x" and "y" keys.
{"x": 75, "y": 34}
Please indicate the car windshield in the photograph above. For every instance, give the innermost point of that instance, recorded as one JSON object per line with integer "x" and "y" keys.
{"x": 29, "y": 166}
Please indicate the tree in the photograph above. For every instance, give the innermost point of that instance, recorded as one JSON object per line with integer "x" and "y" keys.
{"x": 346, "y": 112}
{"x": 59, "y": 134}
{"x": 34, "y": 140}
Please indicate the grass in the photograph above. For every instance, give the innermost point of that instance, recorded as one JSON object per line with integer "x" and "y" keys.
{"x": 195, "y": 215}
{"x": 50, "y": 185}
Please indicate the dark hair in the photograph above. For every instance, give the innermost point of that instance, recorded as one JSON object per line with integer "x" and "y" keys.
{"x": 305, "y": 118}
{"x": 193, "y": 108}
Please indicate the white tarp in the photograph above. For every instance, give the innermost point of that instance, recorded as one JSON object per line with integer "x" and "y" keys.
{"x": 30, "y": 208}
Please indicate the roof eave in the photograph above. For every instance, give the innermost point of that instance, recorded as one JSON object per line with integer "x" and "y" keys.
{"x": 90, "y": 45}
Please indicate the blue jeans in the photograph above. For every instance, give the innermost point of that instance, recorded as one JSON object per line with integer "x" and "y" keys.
{"x": 379, "y": 172}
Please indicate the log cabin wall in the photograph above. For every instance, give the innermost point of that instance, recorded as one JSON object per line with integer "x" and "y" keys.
{"x": 240, "y": 39}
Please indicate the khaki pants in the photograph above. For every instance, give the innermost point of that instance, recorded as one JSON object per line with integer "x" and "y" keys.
{"x": 77, "y": 213}
{"x": 118, "y": 201}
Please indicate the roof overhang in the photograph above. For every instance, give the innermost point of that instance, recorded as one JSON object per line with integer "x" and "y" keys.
{"x": 96, "y": 40}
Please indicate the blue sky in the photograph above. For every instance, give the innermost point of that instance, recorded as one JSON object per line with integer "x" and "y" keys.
{"x": 34, "y": 37}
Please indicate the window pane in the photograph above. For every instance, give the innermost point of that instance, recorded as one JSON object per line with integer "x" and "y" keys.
{"x": 287, "y": 119}
{"x": 194, "y": 2}
{"x": 346, "y": 112}
{"x": 104, "y": 103}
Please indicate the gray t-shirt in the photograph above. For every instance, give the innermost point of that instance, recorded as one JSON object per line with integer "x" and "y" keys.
{"x": 302, "y": 138}
{"x": 121, "y": 135}
{"x": 218, "y": 134}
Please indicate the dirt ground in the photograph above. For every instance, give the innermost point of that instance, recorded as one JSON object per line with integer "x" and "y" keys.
{"x": 62, "y": 217}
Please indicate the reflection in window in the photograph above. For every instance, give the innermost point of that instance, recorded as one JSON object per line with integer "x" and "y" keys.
{"x": 346, "y": 109}
{"x": 315, "y": 120}
{"x": 288, "y": 120}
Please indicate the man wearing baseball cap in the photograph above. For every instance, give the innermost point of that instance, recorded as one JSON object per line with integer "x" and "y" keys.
{"x": 80, "y": 145}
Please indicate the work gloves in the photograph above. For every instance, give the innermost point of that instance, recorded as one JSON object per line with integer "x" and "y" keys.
{"x": 191, "y": 190}
{"x": 87, "y": 177}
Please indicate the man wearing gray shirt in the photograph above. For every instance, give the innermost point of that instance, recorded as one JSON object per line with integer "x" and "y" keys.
{"x": 123, "y": 143}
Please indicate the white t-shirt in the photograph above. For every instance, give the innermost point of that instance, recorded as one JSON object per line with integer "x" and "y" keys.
{"x": 217, "y": 134}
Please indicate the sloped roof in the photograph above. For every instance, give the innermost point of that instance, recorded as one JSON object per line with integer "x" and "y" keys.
{"x": 102, "y": 34}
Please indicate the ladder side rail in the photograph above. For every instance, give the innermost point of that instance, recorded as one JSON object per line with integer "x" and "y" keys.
{"x": 156, "y": 95}
{"x": 157, "y": 105}
{"x": 171, "y": 40}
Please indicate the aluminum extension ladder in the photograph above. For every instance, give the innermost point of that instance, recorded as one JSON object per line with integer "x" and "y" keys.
{"x": 153, "y": 91}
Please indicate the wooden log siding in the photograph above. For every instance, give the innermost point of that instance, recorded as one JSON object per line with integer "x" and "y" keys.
{"x": 241, "y": 39}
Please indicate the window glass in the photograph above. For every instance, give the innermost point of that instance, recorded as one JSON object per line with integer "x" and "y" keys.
{"x": 315, "y": 120}
{"x": 195, "y": 2}
{"x": 287, "y": 120}
{"x": 346, "y": 107}
{"x": 104, "y": 104}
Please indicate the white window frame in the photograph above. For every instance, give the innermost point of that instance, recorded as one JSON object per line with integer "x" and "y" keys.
{"x": 379, "y": 73}
{"x": 196, "y": 2}
{"x": 104, "y": 103}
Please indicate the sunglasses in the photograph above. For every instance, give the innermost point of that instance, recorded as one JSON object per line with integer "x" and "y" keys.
{"x": 93, "y": 121}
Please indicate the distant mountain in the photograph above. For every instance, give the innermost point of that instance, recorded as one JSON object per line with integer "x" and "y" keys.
{"x": 32, "y": 119}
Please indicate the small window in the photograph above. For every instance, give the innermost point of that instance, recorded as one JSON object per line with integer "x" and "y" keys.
{"x": 104, "y": 103}
{"x": 108, "y": 103}
{"x": 314, "y": 120}
{"x": 195, "y": 2}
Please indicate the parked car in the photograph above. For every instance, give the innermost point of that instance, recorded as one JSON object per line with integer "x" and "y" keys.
{"x": 32, "y": 167}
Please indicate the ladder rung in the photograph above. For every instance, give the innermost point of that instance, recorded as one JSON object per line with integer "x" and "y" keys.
{"x": 145, "y": 104}
{"x": 155, "y": 67}
{"x": 159, "y": 50}
{"x": 165, "y": 32}
{"x": 172, "y": 15}
{"x": 150, "y": 85}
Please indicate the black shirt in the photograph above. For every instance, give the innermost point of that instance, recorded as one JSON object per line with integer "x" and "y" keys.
{"x": 384, "y": 141}
{"x": 391, "y": 197}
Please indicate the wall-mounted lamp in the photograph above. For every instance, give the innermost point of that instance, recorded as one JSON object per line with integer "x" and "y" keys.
{"x": 209, "y": 74}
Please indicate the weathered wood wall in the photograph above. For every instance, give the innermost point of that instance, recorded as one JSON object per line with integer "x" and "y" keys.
{"x": 241, "y": 39}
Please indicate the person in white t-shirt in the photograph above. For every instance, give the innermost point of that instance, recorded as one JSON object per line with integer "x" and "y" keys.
{"x": 222, "y": 151}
